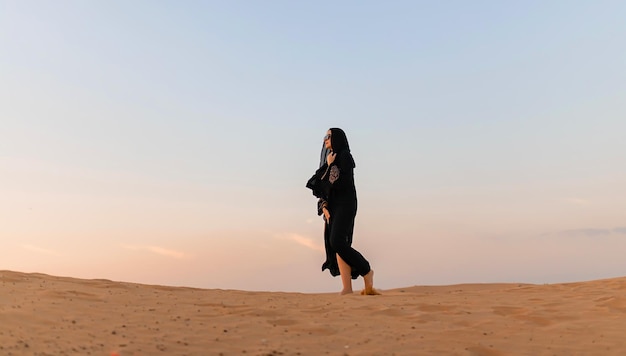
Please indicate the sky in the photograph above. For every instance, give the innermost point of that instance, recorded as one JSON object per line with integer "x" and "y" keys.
{"x": 169, "y": 142}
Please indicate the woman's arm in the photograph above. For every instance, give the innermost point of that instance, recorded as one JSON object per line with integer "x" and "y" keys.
{"x": 331, "y": 175}
{"x": 341, "y": 168}
{"x": 315, "y": 182}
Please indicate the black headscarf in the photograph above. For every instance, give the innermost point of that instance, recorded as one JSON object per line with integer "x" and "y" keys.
{"x": 339, "y": 142}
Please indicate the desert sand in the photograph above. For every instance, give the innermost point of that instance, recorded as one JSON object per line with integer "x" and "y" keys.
{"x": 47, "y": 315}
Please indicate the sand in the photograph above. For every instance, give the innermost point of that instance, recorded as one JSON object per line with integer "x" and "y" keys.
{"x": 47, "y": 315}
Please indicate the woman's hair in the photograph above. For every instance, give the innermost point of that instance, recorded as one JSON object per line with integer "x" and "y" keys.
{"x": 339, "y": 143}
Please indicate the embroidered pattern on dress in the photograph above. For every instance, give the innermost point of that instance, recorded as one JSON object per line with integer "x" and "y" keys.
{"x": 334, "y": 174}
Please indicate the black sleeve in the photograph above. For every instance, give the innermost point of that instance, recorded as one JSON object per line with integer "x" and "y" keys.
{"x": 317, "y": 183}
{"x": 340, "y": 170}
{"x": 321, "y": 204}
{"x": 336, "y": 177}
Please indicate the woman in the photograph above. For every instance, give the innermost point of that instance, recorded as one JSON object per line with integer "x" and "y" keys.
{"x": 333, "y": 183}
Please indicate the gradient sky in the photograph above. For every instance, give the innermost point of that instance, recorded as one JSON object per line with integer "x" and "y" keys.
{"x": 169, "y": 142}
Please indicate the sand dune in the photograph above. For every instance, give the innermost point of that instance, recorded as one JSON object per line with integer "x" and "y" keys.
{"x": 47, "y": 315}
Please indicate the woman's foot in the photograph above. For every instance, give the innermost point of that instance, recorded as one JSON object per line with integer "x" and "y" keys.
{"x": 369, "y": 284}
{"x": 346, "y": 276}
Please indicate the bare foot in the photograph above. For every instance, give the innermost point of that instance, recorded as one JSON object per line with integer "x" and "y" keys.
{"x": 369, "y": 280}
{"x": 345, "y": 292}
{"x": 369, "y": 284}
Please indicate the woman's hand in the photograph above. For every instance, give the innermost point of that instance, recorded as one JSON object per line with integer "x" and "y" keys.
{"x": 326, "y": 215}
{"x": 331, "y": 158}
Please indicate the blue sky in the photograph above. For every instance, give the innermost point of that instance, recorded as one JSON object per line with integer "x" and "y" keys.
{"x": 177, "y": 136}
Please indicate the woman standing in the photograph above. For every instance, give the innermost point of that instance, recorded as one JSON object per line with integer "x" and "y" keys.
{"x": 333, "y": 183}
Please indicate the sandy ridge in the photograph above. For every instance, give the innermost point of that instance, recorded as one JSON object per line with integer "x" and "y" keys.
{"x": 48, "y": 315}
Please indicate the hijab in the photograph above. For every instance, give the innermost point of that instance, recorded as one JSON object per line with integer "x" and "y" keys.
{"x": 339, "y": 143}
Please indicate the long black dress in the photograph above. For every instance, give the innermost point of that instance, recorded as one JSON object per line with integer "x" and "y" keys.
{"x": 335, "y": 187}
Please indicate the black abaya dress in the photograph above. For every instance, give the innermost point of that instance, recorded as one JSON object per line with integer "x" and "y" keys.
{"x": 335, "y": 187}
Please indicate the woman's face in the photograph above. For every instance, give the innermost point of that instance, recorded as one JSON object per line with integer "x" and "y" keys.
{"x": 327, "y": 140}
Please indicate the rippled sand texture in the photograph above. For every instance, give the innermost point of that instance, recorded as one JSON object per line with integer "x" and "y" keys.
{"x": 46, "y": 315}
